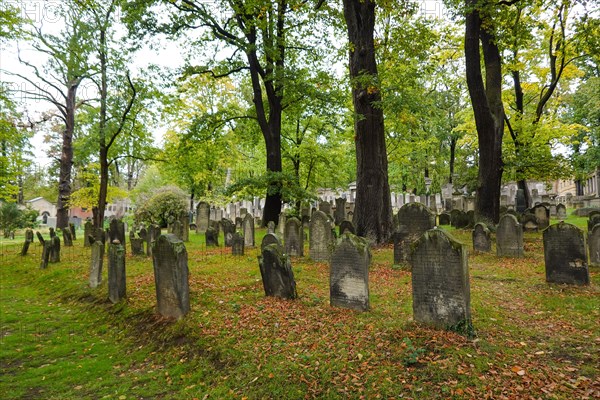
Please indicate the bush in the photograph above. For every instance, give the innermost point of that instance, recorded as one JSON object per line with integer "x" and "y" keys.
{"x": 11, "y": 218}
{"x": 166, "y": 205}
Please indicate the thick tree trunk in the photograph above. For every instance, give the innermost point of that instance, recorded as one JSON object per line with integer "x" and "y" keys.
{"x": 488, "y": 111}
{"x": 99, "y": 214}
{"x": 372, "y": 209}
{"x": 273, "y": 199}
{"x": 66, "y": 159}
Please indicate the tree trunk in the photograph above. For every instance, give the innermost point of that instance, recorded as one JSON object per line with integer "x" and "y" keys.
{"x": 488, "y": 111}
{"x": 453, "y": 141}
{"x": 99, "y": 215}
{"x": 372, "y": 208}
{"x": 66, "y": 159}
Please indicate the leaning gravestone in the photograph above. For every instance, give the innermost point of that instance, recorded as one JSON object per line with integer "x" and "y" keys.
{"x": 561, "y": 211}
{"x": 542, "y": 215}
{"x": 97, "y": 259}
{"x": 349, "y": 273}
{"x": 320, "y": 237}
{"x": 347, "y": 226}
{"x": 565, "y": 255}
{"x": 509, "y": 237}
{"x": 212, "y": 237}
{"x": 444, "y": 218}
{"x": 202, "y": 217}
{"x": 55, "y": 249}
{"x": 116, "y": 272}
{"x": 269, "y": 238}
{"x": 594, "y": 246}
{"x": 414, "y": 219}
{"x": 340, "y": 210}
{"x": 482, "y": 241}
{"x": 87, "y": 232}
{"x": 228, "y": 231}
{"x": 46, "y": 249}
{"x": 294, "y": 237}
{"x": 248, "y": 229}
{"x": 237, "y": 244}
{"x": 28, "y": 240}
{"x": 170, "y": 262}
{"x": 276, "y": 272}
{"x": 67, "y": 238}
{"x": 440, "y": 281}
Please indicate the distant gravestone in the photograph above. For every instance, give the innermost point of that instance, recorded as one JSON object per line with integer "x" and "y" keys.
{"x": 459, "y": 219}
{"x": 521, "y": 204}
{"x": 116, "y": 272}
{"x": 529, "y": 222}
{"x": 542, "y": 215}
{"x": 565, "y": 255}
{"x": 347, "y": 226}
{"x": 28, "y": 241}
{"x": 51, "y": 232}
{"x": 444, "y": 218}
{"x": 202, "y": 217}
{"x": 176, "y": 228}
{"x": 349, "y": 273}
{"x": 171, "y": 276}
{"x": 561, "y": 211}
{"x": 136, "y": 243}
{"x": 55, "y": 249}
{"x": 238, "y": 222}
{"x": 154, "y": 232}
{"x": 470, "y": 218}
{"x": 211, "y": 236}
{"x": 271, "y": 227}
{"x": 270, "y": 238}
{"x": 67, "y": 238}
{"x": 594, "y": 245}
{"x": 143, "y": 234}
{"x": 320, "y": 238}
{"x": 237, "y": 244}
{"x": 73, "y": 231}
{"x": 482, "y": 241}
{"x": 276, "y": 272}
{"x": 248, "y": 229}
{"x": 96, "y": 261}
{"x": 46, "y": 249}
{"x": 228, "y": 231}
{"x": 552, "y": 209}
{"x": 184, "y": 218}
{"x": 87, "y": 232}
{"x": 509, "y": 237}
{"x": 281, "y": 225}
{"x": 294, "y": 237}
{"x": 325, "y": 207}
{"x": 440, "y": 281}
{"x": 414, "y": 219}
{"x": 340, "y": 210}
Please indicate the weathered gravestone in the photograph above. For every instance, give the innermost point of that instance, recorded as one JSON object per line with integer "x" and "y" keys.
{"x": 325, "y": 207}
{"x": 347, "y": 226}
{"x": 136, "y": 243}
{"x": 565, "y": 255}
{"x": 55, "y": 249}
{"x": 294, "y": 237}
{"x": 593, "y": 220}
{"x": 184, "y": 218}
{"x": 238, "y": 222}
{"x": 414, "y": 219}
{"x": 153, "y": 232}
{"x": 28, "y": 240}
{"x": 440, "y": 281}
{"x": 73, "y": 231}
{"x": 561, "y": 211}
{"x": 87, "y": 232}
{"x": 211, "y": 236}
{"x": 96, "y": 261}
{"x": 248, "y": 230}
{"x": 340, "y": 210}
{"x": 521, "y": 204}
{"x": 529, "y": 222}
{"x": 276, "y": 272}
{"x": 594, "y": 245}
{"x": 470, "y": 218}
{"x": 482, "y": 241}
{"x": 46, "y": 249}
{"x": 116, "y": 271}
{"x": 116, "y": 231}
{"x": 228, "y": 231}
{"x": 444, "y": 218}
{"x": 269, "y": 238}
{"x": 349, "y": 273}
{"x": 202, "y": 217}
{"x": 51, "y": 232}
{"x": 170, "y": 262}
{"x": 176, "y": 228}
{"x": 271, "y": 227}
{"x": 552, "y": 209}
{"x": 67, "y": 238}
{"x": 143, "y": 234}
{"x": 320, "y": 238}
{"x": 281, "y": 225}
{"x": 542, "y": 215}
{"x": 237, "y": 244}
{"x": 509, "y": 237}
{"x": 459, "y": 219}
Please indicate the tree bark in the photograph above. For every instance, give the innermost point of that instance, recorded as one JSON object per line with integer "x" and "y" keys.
{"x": 487, "y": 109}
{"x": 372, "y": 208}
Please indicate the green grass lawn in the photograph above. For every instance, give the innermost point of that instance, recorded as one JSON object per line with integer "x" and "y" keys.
{"x": 60, "y": 339}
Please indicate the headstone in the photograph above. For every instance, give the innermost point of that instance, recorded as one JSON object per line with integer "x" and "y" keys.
{"x": 237, "y": 244}
{"x": 594, "y": 246}
{"x": 542, "y": 215}
{"x": 96, "y": 261}
{"x": 73, "y": 231}
{"x": 529, "y": 222}
{"x": 552, "y": 209}
{"x": 136, "y": 243}
{"x": 320, "y": 238}
{"x": 212, "y": 237}
{"x": 228, "y": 231}
{"x": 243, "y": 212}
{"x": 143, "y": 234}
{"x": 176, "y": 228}
{"x": 281, "y": 225}
{"x": 593, "y": 220}
{"x": 340, "y": 210}
{"x": 509, "y": 237}
{"x": 185, "y": 226}
{"x": 170, "y": 261}
{"x": 349, "y": 273}
{"x": 67, "y": 238}
{"x": 55, "y": 249}
{"x": 565, "y": 255}
{"x": 116, "y": 271}
{"x": 521, "y": 204}
{"x": 325, "y": 207}
{"x": 52, "y": 232}
{"x": 347, "y": 226}
{"x": 444, "y": 218}
{"x": 248, "y": 229}
{"x": 294, "y": 237}
{"x": 271, "y": 227}
{"x": 276, "y": 272}
{"x": 28, "y": 240}
{"x": 202, "y": 217}
{"x": 239, "y": 222}
{"x": 459, "y": 219}
{"x": 46, "y": 249}
{"x": 470, "y": 218}
{"x": 414, "y": 219}
{"x": 270, "y": 238}
{"x": 87, "y": 232}
{"x": 153, "y": 232}
{"x": 482, "y": 241}
{"x": 561, "y": 211}
{"x": 440, "y": 281}
{"x": 116, "y": 231}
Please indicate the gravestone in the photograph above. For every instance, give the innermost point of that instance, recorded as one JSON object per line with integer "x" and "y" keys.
{"x": 73, "y": 231}
{"x": 552, "y": 209}
{"x": 294, "y": 237}
{"x": 143, "y": 234}
{"x": 349, "y": 273}
{"x": 276, "y": 272}
{"x": 237, "y": 244}
{"x": 459, "y": 219}
{"x": 470, "y": 218}
{"x": 28, "y": 241}
{"x": 228, "y": 231}
{"x": 542, "y": 215}
{"x": 176, "y": 228}
{"x": 561, "y": 211}
{"x": 347, "y": 226}
{"x": 248, "y": 230}
{"x": 116, "y": 231}
{"x": 270, "y": 238}
{"x": 51, "y": 232}
{"x": 440, "y": 281}
{"x": 271, "y": 227}
{"x": 67, "y": 238}
{"x": 281, "y": 225}
{"x": 87, "y": 232}
{"x": 444, "y": 218}
{"x": 320, "y": 238}
{"x": 46, "y": 249}
{"x": 594, "y": 246}
{"x": 96, "y": 262}
{"x": 184, "y": 218}
{"x": 116, "y": 271}
{"x": 202, "y": 217}
{"x": 238, "y": 222}
{"x": 55, "y": 249}
{"x": 325, "y": 207}
{"x": 136, "y": 243}
{"x": 414, "y": 219}
{"x": 565, "y": 255}
{"x": 154, "y": 232}
{"x": 212, "y": 237}
{"x": 521, "y": 204}
{"x": 529, "y": 222}
{"x": 170, "y": 261}
{"x": 340, "y": 210}
{"x": 593, "y": 220}
{"x": 482, "y": 241}
{"x": 509, "y": 237}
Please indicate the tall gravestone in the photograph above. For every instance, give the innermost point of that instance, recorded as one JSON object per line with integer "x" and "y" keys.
{"x": 117, "y": 289}
{"x": 482, "y": 241}
{"x": 28, "y": 241}
{"x": 67, "y": 238}
{"x": 248, "y": 229}
{"x": 270, "y": 238}
{"x": 320, "y": 238}
{"x": 509, "y": 237}
{"x": 73, "y": 231}
{"x": 143, "y": 234}
{"x": 294, "y": 237}
{"x": 237, "y": 244}
{"x": 414, "y": 219}
{"x": 228, "y": 231}
{"x": 55, "y": 249}
{"x": 594, "y": 245}
{"x": 152, "y": 233}
{"x": 87, "y": 232}
{"x": 440, "y": 280}
{"x": 281, "y": 225}
{"x": 276, "y": 272}
{"x": 565, "y": 255}
{"x": 340, "y": 210}
{"x": 521, "y": 204}
{"x": 202, "y": 217}
{"x": 171, "y": 276}
{"x": 46, "y": 249}
{"x": 96, "y": 261}
{"x": 347, "y": 226}
{"x": 349, "y": 273}
{"x": 116, "y": 231}
{"x": 542, "y": 215}
{"x": 184, "y": 218}
{"x": 561, "y": 211}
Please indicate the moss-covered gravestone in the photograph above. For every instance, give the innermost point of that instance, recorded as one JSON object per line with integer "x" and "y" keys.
{"x": 509, "y": 237}
{"x": 440, "y": 281}
{"x": 117, "y": 288}
{"x": 87, "y": 232}
{"x": 414, "y": 219}
{"x": 276, "y": 272}
{"x": 136, "y": 243}
{"x": 270, "y": 238}
{"x": 565, "y": 255}
{"x": 171, "y": 276}
{"x": 349, "y": 273}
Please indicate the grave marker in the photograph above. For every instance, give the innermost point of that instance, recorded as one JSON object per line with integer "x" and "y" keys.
{"x": 276, "y": 272}
{"x": 320, "y": 237}
{"x": 565, "y": 255}
{"x": 509, "y": 237}
{"x": 171, "y": 276}
{"x": 349, "y": 273}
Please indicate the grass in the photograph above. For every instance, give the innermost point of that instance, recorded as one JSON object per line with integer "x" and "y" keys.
{"x": 62, "y": 340}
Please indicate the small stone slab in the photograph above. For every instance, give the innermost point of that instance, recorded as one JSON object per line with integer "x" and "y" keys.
{"x": 248, "y": 230}
{"x": 96, "y": 262}
{"x": 482, "y": 240}
{"x": 237, "y": 244}
{"x": 565, "y": 255}
{"x": 509, "y": 237}
{"x": 171, "y": 276}
{"x": 212, "y": 237}
{"x": 349, "y": 273}
{"x": 276, "y": 272}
